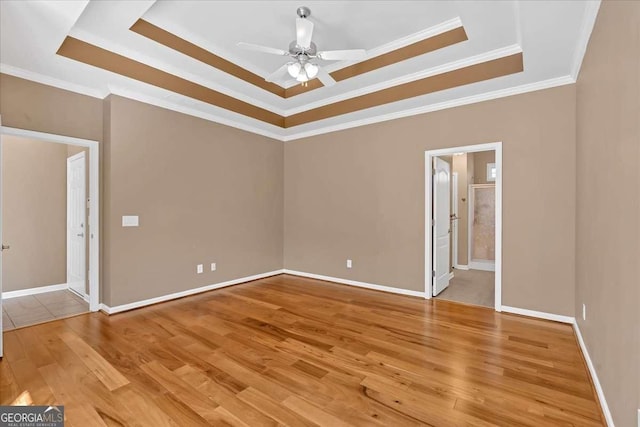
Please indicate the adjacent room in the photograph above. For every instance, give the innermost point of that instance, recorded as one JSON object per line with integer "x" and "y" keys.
{"x": 345, "y": 213}
{"x": 464, "y": 227}
{"x": 44, "y": 218}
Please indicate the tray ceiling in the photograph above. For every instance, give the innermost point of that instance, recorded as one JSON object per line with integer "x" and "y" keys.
{"x": 421, "y": 55}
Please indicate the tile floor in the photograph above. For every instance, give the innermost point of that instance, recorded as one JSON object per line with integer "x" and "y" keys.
{"x": 471, "y": 287}
{"x": 32, "y": 309}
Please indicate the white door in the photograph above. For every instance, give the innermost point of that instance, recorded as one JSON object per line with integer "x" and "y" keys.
{"x": 1, "y": 248}
{"x": 76, "y": 227}
{"x": 441, "y": 224}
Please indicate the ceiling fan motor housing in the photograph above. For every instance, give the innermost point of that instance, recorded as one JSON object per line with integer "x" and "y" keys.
{"x": 296, "y": 50}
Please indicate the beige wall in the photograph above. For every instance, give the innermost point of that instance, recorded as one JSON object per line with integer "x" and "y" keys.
{"x": 480, "y": 161}
{"x": 34, "y": 215}
{"x": 28, "y": 105}
{"x": 33, "y": 106}
{"x": 608, "y": 209}
{"x": 204, "y": 193}
{"x": 359, "y": 194}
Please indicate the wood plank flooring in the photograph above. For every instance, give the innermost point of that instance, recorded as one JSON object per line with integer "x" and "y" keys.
{"x": 292, "y": 351}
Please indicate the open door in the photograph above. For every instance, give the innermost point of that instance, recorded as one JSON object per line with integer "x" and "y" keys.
{"x": 2, "y": 247}
{"x": 76, "y": 230}
{"x": 441, "y": 224}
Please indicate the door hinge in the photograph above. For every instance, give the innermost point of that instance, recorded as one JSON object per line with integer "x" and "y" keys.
{"x": 433, "y": 273}
{"x": 433, "y": 222}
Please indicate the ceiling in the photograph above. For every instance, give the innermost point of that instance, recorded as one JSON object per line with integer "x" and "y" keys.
{"x": 421, "y": 55}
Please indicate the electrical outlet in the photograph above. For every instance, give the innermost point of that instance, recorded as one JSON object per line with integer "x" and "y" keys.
{"x": 349, "y": 263}
{"x": 584, "y": 312}
{"x": 199, "y": 269}
{"x": 213, "y": 266}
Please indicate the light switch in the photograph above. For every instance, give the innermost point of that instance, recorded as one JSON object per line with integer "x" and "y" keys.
{"x": 130, "y": 221}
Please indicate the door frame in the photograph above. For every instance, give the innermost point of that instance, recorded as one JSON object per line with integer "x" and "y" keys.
{"x": 428, "y": 174}
{"x": 94, "y": 197}
{"x": 77, "y": 156}
{"x": 454, "y": 224}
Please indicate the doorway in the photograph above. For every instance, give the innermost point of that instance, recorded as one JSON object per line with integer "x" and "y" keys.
{"x": 469, "y": 268}
{"x": 82, "y": 223}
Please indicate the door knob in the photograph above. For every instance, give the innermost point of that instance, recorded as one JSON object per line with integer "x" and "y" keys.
{"x": 4, "y": 247}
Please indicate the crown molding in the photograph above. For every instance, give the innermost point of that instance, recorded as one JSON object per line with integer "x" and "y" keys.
{"x": 454, "y": 65}
{"x": 502, "y": 93}
{"x": 246, "y": 124}
{"x": 162, "y": 66}
{"x": 242, "y": 122}
{"x": 52, "y": 81}
{"x": 590, "y": 14}
{"x": 201, "y": 42}
{"x": 443, "y": 27}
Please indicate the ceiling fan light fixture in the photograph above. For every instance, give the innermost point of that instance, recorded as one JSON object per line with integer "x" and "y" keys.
{"x": 311, "y": 70}
{"x": 294, "y": 69}
{"x": 302, "y": 77}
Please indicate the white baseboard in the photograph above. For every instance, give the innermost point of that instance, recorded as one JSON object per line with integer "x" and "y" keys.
{"x": 451, "y": 275}
{"x": 594, "y": 377}
{"x": 150, "y": 301}
{"x": 34, "y": 291}
{"x": 356, "y": 283}
{"x": 482, "y": 265}
{"x": 461, "y": 267}
{"x": 539, "y": 314}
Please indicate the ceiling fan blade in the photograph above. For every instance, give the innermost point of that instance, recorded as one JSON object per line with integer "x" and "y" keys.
{"x": 351, "y": 54}
{"x": 304, "y": 32}
{"x": 324, "y": 77}
{"x": 263, "y": 49}
{"x": 276, "y": 75}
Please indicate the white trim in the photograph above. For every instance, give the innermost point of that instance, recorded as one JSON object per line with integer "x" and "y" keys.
{"x": 393, "y": 45}
{"x": 428, "y": 155}
{"x": 433, "y": 71}
{"x": 246, "y": 124}
{"x": 355, "y": 283}
{"x": 94, "y": 196}
{"x": 454, "y": 223}
{"x": 176, "y": 71}
{"x": 590, "y": 15}
{"x": 538, "y": 314}
{"x": 451, "y": 275}
{"x": 461, "y": 267}
{"x": 163, "y": 298}
{"x": 594, "y": 376}
{"x": 241, "y": 123}
{"x": 501, "y": 93}
{"x": 482, "y": 265}
{"x": 34, "y": 291}
{"x": 51, "y": 81}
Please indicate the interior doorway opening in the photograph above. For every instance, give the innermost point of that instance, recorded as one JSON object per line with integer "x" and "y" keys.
{"x": 463, "y": 224}
{"x": 65, "y": 250}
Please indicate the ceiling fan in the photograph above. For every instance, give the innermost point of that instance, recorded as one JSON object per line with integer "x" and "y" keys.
{"x": 303, "y": 53}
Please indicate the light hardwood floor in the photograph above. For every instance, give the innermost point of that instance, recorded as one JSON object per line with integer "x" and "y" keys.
{"x": 294, "y": 351}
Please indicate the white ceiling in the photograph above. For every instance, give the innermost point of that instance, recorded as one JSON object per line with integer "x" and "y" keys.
{"x": 551, "y": 34}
